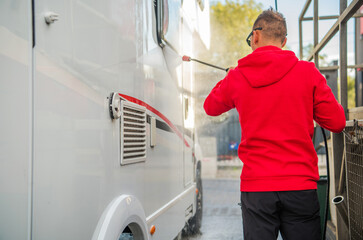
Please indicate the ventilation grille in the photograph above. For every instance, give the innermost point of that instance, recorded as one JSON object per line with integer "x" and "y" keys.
{"x": 133, "y": 133}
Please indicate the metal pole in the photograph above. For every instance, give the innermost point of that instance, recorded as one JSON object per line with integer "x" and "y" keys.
{"x": 300, "y": 39}
{"x": 302, "y": 14}
{"x": 345, "y": 16}
{"x": 358, "y": 101}
{"x": 316, "y": 31}
{"x": 342, "y": 228}
{"x": 321, "y": 18}
{"x": 343, "y": 59}
{"x": 305, "y": 8}
{"x": 358, "y": 62}
{"x": 357, "y": 15}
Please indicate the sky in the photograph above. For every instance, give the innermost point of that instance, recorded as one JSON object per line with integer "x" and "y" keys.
{"x": 291, "y": 9}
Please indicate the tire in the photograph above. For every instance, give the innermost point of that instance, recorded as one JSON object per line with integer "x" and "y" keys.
{"x": 194, "y": 224}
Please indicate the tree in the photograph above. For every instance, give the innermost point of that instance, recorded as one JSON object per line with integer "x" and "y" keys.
{"x": 351, "y": 92}
{"x": 230, "y": 25}
{"x": 308, "y": 49}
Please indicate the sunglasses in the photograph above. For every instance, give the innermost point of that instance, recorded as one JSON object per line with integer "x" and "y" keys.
{"x": 248, "y": 39}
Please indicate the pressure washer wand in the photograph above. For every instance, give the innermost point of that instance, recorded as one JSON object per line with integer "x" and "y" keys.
{"x": 188, "y": 59}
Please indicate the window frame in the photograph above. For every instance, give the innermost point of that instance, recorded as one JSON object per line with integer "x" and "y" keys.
{"x": 162, "y": 24}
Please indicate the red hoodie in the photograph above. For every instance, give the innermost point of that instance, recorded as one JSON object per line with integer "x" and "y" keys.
{"x": 277, "y": 97}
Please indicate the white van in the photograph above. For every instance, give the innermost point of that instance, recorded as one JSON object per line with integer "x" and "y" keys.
{"x": 97, "y": 123}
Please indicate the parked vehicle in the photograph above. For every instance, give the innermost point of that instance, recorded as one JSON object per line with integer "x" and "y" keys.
{"x": 97, "y": 124}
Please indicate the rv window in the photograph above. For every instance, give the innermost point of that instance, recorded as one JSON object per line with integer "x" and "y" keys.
{"x": 168, "y": 22}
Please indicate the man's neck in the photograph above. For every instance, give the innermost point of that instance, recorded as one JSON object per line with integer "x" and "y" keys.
{"x": 268, "y": 44}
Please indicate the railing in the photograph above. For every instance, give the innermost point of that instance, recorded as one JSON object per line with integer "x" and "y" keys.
{"x": 346, "y": 171}
{"x": 340, "y": 25}
{"x": 354, "y": 178}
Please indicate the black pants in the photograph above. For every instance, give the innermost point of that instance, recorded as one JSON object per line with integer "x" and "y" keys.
{"x": 294, "y": 213}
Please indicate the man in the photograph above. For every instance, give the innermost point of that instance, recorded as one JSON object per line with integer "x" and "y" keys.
{"x": 277, "y": 98}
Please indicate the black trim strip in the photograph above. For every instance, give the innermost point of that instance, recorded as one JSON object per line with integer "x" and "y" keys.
{"x": 163, "y": 126}
{"x": 33, "y": 23}
{"x": 160, "y": 124}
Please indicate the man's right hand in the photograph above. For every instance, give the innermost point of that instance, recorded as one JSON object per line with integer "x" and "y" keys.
{"x": 230, "y": 68}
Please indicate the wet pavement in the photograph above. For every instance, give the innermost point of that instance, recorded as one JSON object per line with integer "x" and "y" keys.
{"x": 221, "y": 214}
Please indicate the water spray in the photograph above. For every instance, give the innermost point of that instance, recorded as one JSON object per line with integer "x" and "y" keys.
{"x": 188, "y": 59}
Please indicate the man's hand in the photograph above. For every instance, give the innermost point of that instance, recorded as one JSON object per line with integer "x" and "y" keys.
{"x": 230, "y": 68}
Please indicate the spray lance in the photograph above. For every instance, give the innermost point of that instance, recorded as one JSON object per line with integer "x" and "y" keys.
{"x": 188, "y": 59}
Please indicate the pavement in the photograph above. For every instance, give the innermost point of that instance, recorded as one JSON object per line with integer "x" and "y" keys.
{"x": 222, "y": 216}
{"x": 221, "y": 213}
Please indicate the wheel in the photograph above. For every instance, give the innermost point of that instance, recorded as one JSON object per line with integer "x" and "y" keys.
{"x": 194, "y": 224}
{"x": 132, "y": 232}
{"x": 179, "y": 236}
{"x": 126, "y": 234}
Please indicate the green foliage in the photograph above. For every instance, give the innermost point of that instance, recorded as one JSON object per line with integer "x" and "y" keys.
{"x": 230, "y": 25}
{"x": 308, "y": 49}
{"x": 351, "y": 92}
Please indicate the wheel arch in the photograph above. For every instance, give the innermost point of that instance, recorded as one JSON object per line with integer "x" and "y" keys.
{"x": 123, "y": 211}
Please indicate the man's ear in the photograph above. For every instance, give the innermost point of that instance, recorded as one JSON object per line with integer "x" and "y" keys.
{"x": 256, "y": 37}
{"x": 284, "y": 43}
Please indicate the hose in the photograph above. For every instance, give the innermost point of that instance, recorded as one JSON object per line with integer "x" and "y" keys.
{"x": 328, "y": 184}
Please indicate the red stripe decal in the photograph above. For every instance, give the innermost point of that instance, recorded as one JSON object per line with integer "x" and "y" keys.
{"x": 153, "y": 110}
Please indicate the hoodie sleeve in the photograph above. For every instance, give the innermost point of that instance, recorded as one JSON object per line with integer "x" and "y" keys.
{"x": 219, "y": 99}
{"x": 328, "y": 113}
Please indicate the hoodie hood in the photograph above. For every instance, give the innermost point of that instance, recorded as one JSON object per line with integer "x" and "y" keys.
{"x": 266, "y": 65}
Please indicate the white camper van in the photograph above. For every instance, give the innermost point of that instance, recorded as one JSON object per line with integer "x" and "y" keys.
{"x": 96, "y": 133}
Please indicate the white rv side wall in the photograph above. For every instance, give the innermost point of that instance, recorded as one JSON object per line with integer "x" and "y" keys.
{"x": 16, "y": 122}
{"x": 59, "y": 148}
{"x": 95, "y": 48}
{"x": 188, "y": 94}
{"x": 80, "y": 59}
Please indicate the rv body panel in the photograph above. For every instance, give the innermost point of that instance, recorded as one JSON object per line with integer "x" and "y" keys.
{"x": 16, "y": 119}
{"x": 61, "y": 150}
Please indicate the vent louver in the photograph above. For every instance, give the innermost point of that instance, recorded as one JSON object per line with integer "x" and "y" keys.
{"x": 133, "y": 133}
